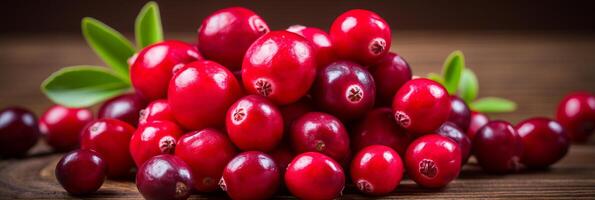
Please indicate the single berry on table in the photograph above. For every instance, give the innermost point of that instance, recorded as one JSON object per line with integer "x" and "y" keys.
{"x": 164, "y": 177}
{"x": 81, "y": 172}
{"x": 498, "y": 147}
{"x": 545, "y": 142}
{"x": 576, "y": 113}
{"x": 18, "y": 131}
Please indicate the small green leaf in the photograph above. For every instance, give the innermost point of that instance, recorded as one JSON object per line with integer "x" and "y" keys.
{"x": 452, "y": 69}
{"x": 147, "y": 27}
{"x": 113, "y": 48}
{"x": 83, "y": 86}
{"x": 436, "y": 77}
{"x": 468, "y": 86}
{"x": 493, "y": 105}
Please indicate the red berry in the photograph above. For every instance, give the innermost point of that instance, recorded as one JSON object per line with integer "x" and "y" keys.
{"x": 251, "y": 175}
{"x": 544, "y": 142}
{"x": 320, "y": 132}
{"x": 460, "y": 114}
{"x": 379, "y": 127}
{"x": 281, "y": 66}
{"x": 62, "y": 126}
{"x": 164, "y": 177}
{"x": 433, "y": 161}
{"x": 313, "y": 175}
{"x": 81, "y": 172}
{"x": 18, "y": 131}
{"x": 225, "y": 35}
{"x": 455, "y": 133}
{"x": 295, "y": 110}
{"x": 344, "y": 89}
{"x": 206, "y": 152}
{"x": 157, "y": 110}
{"x": 421, "y": 106}
{"x": 154, "y": 138}
{"x": 110, "y": 138}
{"x": 477, "y": 121}
{"x": 200, "y": 93}
{"x": 125, "y": 107}
{"x": 576, "y": 113}
{"x": 389, "y": 75}
{"x": 282, "y": 156}
{"x": 153, "y": 67}
{"x": 376, "y": 170}
{"x": 321, "y": 42}
{"x": 254, "y": 123}
{"x": 361, "y": 35}
{"x": 498, "y": 147}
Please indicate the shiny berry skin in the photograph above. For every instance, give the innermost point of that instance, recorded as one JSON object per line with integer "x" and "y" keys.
{"x": 125, "y": 107}
{"x": 477, "y": 121}
{"x": 421, "y": 106}
{"x": 81, "y": 172}
{"x": 313, "y": 175}
{"x": 545, "y": 142}
{"x": 18, "y": 131}
{"x": 225, "y": 35}
{"x": 154, "y": 66}
{"x": 455, "y": 133}
{"x": 110, "y": 138}
{"x": 360, "y": 35}
{"x": 344, "y": 89}
{"x": 295, "y": 110}
{"x": 378, "y": 127}
{"x": 281, "y": 66}
{"x": 576, "y": 113}
{"x": 321, "y": 42}
{"x": 154, "y": 138}
{"x": 207, "y": 152}
{"x": 460, "y": 114}
{"x": 62, "y": 126}
{"x": 389, "y": 74}
{"x": 157, "y": 110}
{"x": 164, "y": 177}
{"x": 376, "y": 170}
{"x": 251, "y": 175}
{"x": 320, "y": 132}
{"x": 433, "y": 161}
{"x": 254, "y": 123}
{"x": 200, "y": 94}
{"x": 498, "y": 147}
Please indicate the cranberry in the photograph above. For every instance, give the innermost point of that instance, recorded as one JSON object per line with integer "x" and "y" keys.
{"x": 281, "y": 66}
{"x": 157, "y": 110}
{"x": 62, "y": 126}
{"x": 460, "y": 114}
{"x": 576, "y": 113}
{"x": 110, "y": 138}
{"x": 282, "y": 156}
{"x": 498, "y": 147}
{"x": 477, "y": 121}
{"x": 254, "y": 123}
{"x": 361, "y": 35}
{"x": 154, "y": 138}
{"x": 153, "y": 67}
{"x": 455, "y": 133}
{"x": 421, "y": 106}
{"x": 433, "y": 161}
{"x": 320, "y": 132}
{"x": 544, "y": 142}
{"x": 321, "y": 42}
{"x": 389, "y": 75}
{"x": 164, "y": 177}
{"x": 18, "y": 131}
{"x": 295, "y": 110}
{"x": 313, "y": 175}
{"x": 251, "y": 175}
{"x": 377, "y": 170}
{"x": 200, "y": 93}
{"x": 225, "y": 35}
{"x": 206, "y": 152}
{"x": 125, "y": 107}
{"x": 379, "y": 127}
{"x": 81, "y": 172}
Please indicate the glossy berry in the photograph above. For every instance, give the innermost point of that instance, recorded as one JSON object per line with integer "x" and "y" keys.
{"x": 225, "y": 35}
{"x": 376, "y": 170}
{"x": 254, "y": 123}
{"x": 125, "y": 107}
{"x": 379, "y": 127}
{"x": 361, "y": 35}
{"x": 295, "y": 110}
{"x": 455, "y": 133}
{"x": 433, "y": 161}
{"x": 157, "y": 110}
{"x": 460, "y": 114}
{"x": 18, "y": 131}
{"x": 110, "y": 138}
{"x": 200, "y": 94}
{"x": 544, "y": 142}
{"x": 576, "y": 113}
{"x": 421, "y": 106}
{"x": 344, "y": 89}
{"x": 498, "y": 147}
{"x": 164, "y": 177}
{"x": 389, "y": 75}
{"x": 155, "y": 64}
{"x": 62, "y": 126}
{"x": 320, "y": 132}
{"x": 477, "y": 121}
{"x": 281, "y": 66}
{"x": 251, "y": 175}
{"x": 313, "y": 175}
{"x": 81, "y": 172}
{"x": 154, "y": 138}
{"x": 321, "y": 42}
{"x": 207, "y": 152}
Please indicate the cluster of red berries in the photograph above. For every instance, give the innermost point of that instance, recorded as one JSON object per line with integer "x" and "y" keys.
{"x": 249, "y": 110}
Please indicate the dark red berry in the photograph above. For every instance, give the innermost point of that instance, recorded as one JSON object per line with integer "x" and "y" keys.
{"x": 125, "y": 107}
{"x": 81, "y": 172}
{"x": 18, "y": 131}
{"x": 460, "y": 114}
{"x": 62, "y": 126}
{"x": 379, "y": 127}
{"x": 455, "y": 133}
{"x": 376, "y": 170}
{"x": 164, "y": 177}
{"x": 110, "y": 138}
{"x": 154, "y": 138}
{"x": 295, "y": 110}
{"x": 254, "y": 123}
{"x": 282, "y": 156}
{"x": 251, "y": 175}
{"x": 576, "y": 113}
{"x": 313, "y": 175}
{"x": 477, "y": 121}
{"x": 498, "y": 147}
{"x": 320, "y": 132}
{"x": 321, "y": 42}
{"x": 157, "y": 110}
{"x": 389, "y": 74}
{"x": 433, "y": 161}
{"x": 545, "y": 142}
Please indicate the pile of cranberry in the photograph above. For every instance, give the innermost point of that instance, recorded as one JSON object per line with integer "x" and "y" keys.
{"x": 250, "y": 111}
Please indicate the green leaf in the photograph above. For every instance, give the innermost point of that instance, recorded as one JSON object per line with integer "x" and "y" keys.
{"x": 83, "y": 86}
{"x": 147, "y": 27}
{"x": 452, "y": 69}
{"x": 468, "y": 86}
{"x": 493, "y": 105}
{"x": 436, "y": 77}
{"x": 113, "y": 48}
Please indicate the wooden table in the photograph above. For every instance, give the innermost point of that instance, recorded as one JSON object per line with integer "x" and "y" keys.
{"x": 533, "y": 69}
